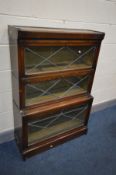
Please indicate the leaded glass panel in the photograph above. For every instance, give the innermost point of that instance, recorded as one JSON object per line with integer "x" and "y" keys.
{"x": 50, "y": 59}
{"x": 58, "y": 123}
{"x": 55, "y": 89}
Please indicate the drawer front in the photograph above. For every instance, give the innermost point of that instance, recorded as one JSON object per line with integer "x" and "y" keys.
{"x": 57, "y": 89}
{"x": 43, "y": 59}
{"x": 43, "y": 128}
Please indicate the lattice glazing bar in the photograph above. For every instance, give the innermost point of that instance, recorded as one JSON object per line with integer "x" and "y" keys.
{"x": 60, "y": 122}
{"x": 48, "y": 59}
{"x": 55, "y": 89}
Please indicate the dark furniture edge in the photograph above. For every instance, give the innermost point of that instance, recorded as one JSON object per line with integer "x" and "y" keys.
{"x": 32, "y": 33}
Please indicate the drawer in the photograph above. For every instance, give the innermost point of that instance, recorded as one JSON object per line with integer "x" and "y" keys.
{"x": 43, "y": 59}
{"x": 57, "y": 123}
{"x": 56, "y": 89}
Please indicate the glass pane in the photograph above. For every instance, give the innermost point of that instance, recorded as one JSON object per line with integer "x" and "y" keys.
{"x": 46, "y": 59}
{"x": 52, "y": 125}
{"x": 55, "y": 89}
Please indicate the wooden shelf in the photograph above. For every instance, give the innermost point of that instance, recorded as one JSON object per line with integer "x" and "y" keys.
{"x": 55, "y": 69}
{"x": 54, "y": 96}
{"x": 46, "y": 133}
{"x": 42, "y": 110}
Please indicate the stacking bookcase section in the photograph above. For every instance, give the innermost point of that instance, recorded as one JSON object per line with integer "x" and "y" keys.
{"x": 49, "y": 58}
{"x": 52, "y": 76}
{"x": 47, "y": 126}
{"x": 56, "y": 88}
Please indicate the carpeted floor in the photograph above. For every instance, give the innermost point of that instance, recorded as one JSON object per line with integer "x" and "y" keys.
{"x": 91, "y": 154}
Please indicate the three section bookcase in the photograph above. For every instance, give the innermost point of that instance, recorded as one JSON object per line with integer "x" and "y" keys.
{"x": 52, "y": 76}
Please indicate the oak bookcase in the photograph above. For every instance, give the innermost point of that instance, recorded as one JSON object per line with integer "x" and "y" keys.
{"x": 52, "y": 76}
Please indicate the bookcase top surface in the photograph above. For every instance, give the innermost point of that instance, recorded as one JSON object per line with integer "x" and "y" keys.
{"x": 27, "y": 32}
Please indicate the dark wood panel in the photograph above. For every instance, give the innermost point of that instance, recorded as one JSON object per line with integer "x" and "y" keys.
{"x": 32, "y": 113}
{"x": 13, "y": 51}
{"x": 40, "y": 147}
{"x": 14, "y": 65}
{"x": 18, "y": 126}
{"x": 54, "y": 101}
{"x": 56, "y": 75}
{"x": 25, "y": 32}
{"x": 25, "y": 132}
{"x": 26, "y": 43}
{"x": 15, "y": 90}
{"x": 88, "y": 112}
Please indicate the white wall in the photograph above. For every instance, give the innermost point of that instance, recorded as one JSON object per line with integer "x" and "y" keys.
{"x": 89, "y": 14}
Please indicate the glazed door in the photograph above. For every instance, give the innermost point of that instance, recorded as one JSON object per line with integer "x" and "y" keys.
{"x": 45, "y": 59}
